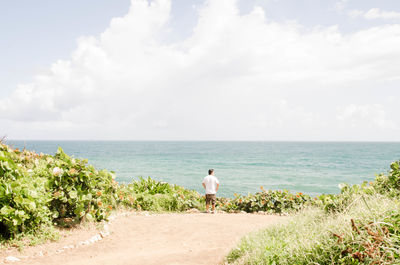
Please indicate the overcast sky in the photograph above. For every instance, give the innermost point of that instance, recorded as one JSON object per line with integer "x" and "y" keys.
{"x": 200, "y": 70}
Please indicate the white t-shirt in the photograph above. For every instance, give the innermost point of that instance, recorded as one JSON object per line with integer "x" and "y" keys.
{"x": 211, "y": 184}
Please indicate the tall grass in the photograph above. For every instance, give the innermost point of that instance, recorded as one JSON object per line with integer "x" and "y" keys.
{"x": 317, "y": 237}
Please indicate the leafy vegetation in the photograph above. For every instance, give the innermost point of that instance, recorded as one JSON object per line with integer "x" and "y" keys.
{"x": 356, "y": 236}
{"x": 361, "y": 225}
{"x": 38, "y": 191}
{"x": 272, "y": 201}
{"x": 151, "y": 195}
{"x": 23, "y": 196}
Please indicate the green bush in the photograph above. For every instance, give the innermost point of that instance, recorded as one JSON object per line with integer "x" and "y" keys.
{"x": 151, "y": 195}
{"x": 36, "y": 190}
{"x": 151, "y": 186}
{"x": 78, "y": 190}
{"x": 389, "y": 184}
{"x": 347, "y": 195}
{"x": 23, "y": 196}
{"x": 272, "y": 201}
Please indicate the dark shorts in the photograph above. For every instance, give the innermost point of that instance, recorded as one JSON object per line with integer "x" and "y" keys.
{"x": 211, "y": 198}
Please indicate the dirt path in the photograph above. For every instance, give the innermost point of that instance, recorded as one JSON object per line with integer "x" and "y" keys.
{"x": 158, "y": 239}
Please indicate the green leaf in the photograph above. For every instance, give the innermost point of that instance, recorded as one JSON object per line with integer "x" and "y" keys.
{"x": 89, "y": 217}
{"x": 6, "y": 210}
{"x": 73, "y": 194}
{"x": 32, "y": 206}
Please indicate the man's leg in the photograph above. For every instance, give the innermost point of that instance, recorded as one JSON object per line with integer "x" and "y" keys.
{"x": 213, "y": 201}
{"x": 207, "y": 203}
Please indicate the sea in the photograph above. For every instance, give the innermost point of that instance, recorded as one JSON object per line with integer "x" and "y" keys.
{"x": 241, "y": 167}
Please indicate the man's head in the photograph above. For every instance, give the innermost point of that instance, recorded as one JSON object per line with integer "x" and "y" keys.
{"x": 211, "y": 172}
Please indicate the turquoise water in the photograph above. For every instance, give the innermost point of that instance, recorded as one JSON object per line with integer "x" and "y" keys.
{"x": 242, "y": 167}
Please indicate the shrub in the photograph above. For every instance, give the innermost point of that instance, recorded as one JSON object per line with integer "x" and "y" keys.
{"x": 23, "y": 196}
{"x": 150, "y": 186}
{"x": 36, "y": 190}
{"x": 347, "y": 195}
{"x": 151, "y": 195}
{"x": 78, "y": 190}
{"x": 268, "y": 201}
{"x": 389, "y": 184}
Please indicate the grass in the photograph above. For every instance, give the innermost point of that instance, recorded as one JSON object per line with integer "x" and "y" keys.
{"x": 32, "y": 238}
{"x": 316, "y": 237}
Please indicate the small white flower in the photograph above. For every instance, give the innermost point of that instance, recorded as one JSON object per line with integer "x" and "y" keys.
{"x": 57, "y": 171}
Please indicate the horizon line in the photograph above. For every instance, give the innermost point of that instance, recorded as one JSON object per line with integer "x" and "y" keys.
{"x": 148, "y": 140}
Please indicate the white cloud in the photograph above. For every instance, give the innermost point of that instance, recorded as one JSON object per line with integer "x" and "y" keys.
{"x": 367, "y": 116}
{"x": 340, "y": 5}
{"x": 375, "y": 13}
{"x": 236, "y": 77}
{"x": 355, "y": 13}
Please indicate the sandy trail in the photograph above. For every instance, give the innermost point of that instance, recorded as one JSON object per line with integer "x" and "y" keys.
{"x": 160, "y": 239}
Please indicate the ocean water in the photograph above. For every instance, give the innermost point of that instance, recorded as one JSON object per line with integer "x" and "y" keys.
{"x": 242, "y": 167}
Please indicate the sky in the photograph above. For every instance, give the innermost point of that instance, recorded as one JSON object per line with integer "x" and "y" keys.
{"x": 270, "y": 70}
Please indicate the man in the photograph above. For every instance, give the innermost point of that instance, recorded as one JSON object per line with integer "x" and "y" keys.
{"x": 211, "y": 185}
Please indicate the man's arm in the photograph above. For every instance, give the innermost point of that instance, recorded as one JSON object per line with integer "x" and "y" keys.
{"x": 217, "y": 187}
{"x": 204, "y": 185}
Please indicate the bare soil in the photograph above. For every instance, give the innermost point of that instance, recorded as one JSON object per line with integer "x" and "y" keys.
{"x": 196, "y": 238}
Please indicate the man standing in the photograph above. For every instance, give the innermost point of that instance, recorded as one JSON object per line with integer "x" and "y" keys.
{"x": 211, "y": 185}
